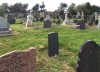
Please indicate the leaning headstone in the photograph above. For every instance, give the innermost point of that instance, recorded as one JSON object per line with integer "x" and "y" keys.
{"x": 88, "y": 58}
{"x": 18, "y": 61}
{"x": 82, "y": 24}
{"x": 53, "y": 44}
{"x": 47, "y": 24}
{"x": 4, "y": 28}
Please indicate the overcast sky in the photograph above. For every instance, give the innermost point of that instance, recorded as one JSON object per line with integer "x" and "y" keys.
{"x": 51, "y": 5}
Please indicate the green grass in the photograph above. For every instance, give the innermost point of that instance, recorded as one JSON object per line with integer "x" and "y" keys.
{"x": 70, "y": 41}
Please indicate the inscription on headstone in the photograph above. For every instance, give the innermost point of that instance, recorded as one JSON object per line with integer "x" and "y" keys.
{"x": 18, "y": 61}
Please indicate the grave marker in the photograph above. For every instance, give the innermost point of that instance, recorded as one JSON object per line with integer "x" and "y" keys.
{"x": 18, "y": 61}
{"x": 89, "y": 60}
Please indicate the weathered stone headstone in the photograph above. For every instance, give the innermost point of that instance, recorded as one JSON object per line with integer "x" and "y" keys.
{"x": 96, "y": 16}
{"x": 47, "y": 24}
{"x": 82, "y": 24}
{"x": 47, "y": 17}
{"x": 53, "y": 44}
{"x": 78, "y": 15}
{"x": 4, "y": 28}
{"x": 30, "y": 17}
{"x": 98, "y": 22}
{"x": 41, "y": 14}
{"x": 18, "y": 61}
{"x": 89, "y": 60}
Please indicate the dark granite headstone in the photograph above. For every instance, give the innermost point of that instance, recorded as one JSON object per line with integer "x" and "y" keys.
{"x": 53, "y": 44}
{"x": 47, "y": 24}
{"x": 82, "y": 24}
{"x": 4, "y": 28}
{"x": 88, "y": 58}
{"x": 3, "y": 25}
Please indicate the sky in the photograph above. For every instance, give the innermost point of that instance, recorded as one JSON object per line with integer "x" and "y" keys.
{"x": 50, "y": 5}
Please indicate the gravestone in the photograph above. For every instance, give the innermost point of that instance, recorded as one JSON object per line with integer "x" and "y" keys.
{"x": 18, "y": 61}
{"x": 47, "y": 24}
{"x": 98, "y": 22}
{"x": 30, "y": 17}
{"x": 78, "y": 15}
{"x": 4, "y": 28}
{"x": 96, "y": 16}
{"x": 9, "y": 18}
{"x": 66, "y": 18}
{"x": 89, "y": 59}
{"x": 41, "y": 16}
{"x": 53, "y": 44}
{"x": 47, "y": 17}
{"x": 82, "y": 16}
{"x": 82, "y": 24}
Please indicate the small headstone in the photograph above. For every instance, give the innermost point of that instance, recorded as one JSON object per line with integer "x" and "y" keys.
{"x": 53, "y": 44}
{"x": 82, "y": 24}
{"x": 4, "y": 28}
{"x": 47, "y": 17}
{"x": 41, "y": 14}
{"x": 88, "y": 58}
{"x": 9, "y": 18}
{"x": 18, "y": 61}
{"x": 47, "y": 24}
{"x": 41, "y": 19}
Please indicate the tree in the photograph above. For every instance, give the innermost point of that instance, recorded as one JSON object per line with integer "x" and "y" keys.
{"x": 95, "y": 8}
{"x": 2, "y": 10}
{"x": 18, "y": 8}
{"x": 6, "y": 6}
{"x": 62, "y": 8}
{"x": 72, "y": 9}
{"x": 42, "y": 6}
{"x": 36, "y": 7}
{"x": 87, "y": 9}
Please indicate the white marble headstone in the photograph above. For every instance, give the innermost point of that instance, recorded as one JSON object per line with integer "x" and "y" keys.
{"x": 98, "y": 22}
{"x": 96, "y": 16}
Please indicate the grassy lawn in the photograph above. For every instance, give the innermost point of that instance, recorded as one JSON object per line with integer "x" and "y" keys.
{"x": 70, "y": 41}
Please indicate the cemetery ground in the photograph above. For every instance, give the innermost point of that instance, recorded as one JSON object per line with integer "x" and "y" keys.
{"x": 70, "y": 41}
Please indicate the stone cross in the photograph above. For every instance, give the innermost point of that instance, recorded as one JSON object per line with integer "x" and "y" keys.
{"x": 96, "y": 16}
{"x": 29, "y": 19}
{"x": 98, "y": 22}
{"x": 47, "y": 17}
{"x": 66, "y": 18}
